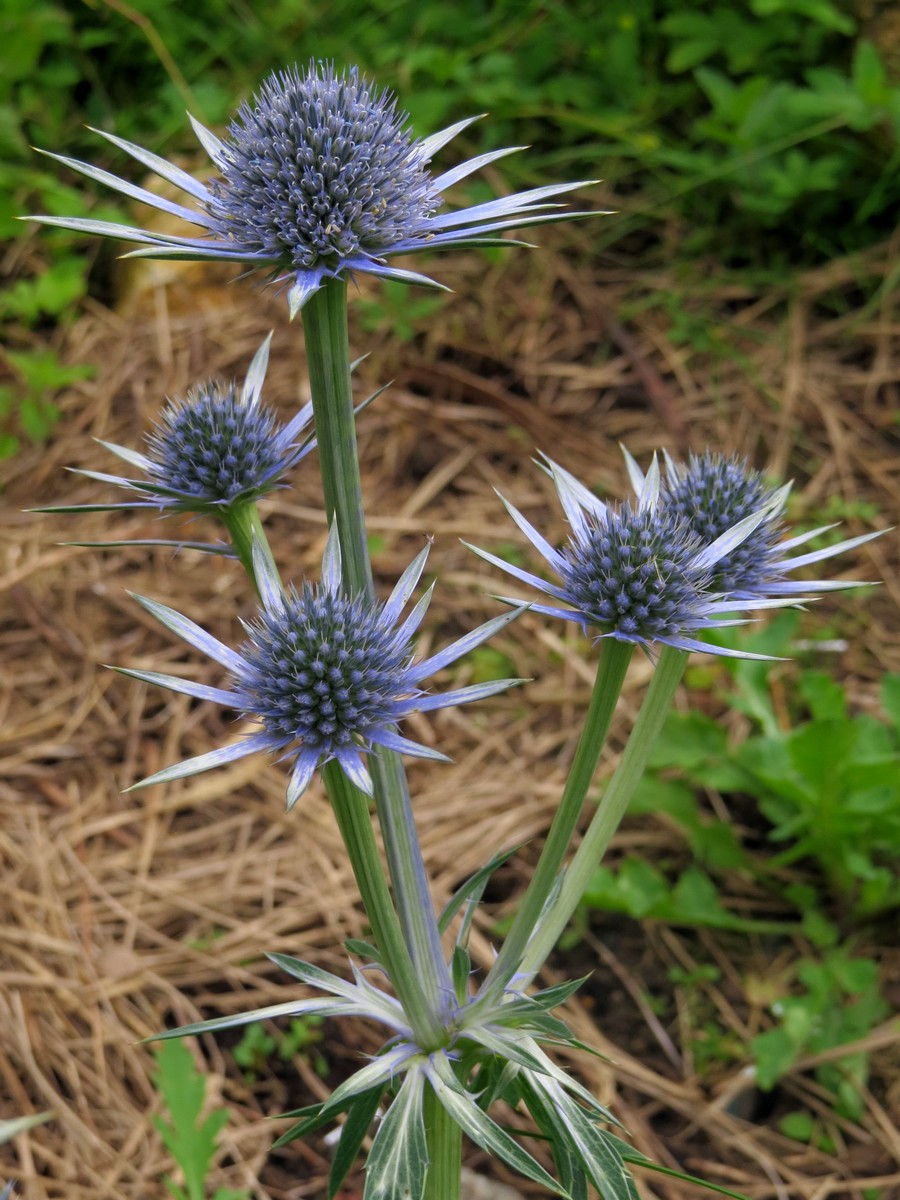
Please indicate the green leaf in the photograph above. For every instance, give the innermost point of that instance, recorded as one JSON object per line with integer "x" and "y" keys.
{"x": 291, "y": 1008}
{"x": 774, "y": 1053}
{"x": 378, "y": 1073}
{"x": 571, "y": 1126}
{"x": 362, "y": 949}
{"x": 313, "y": 976}
{"x": 460, "y": 970}
{"x": 823, "y": 695}
{"x": 398, "y": 1161}
{"x": 313, "y": 1120}
{"x": 637, "y": 888}
{"x": 472, "y": 890}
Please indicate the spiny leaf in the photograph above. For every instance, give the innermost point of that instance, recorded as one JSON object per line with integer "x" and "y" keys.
{"x": 360, "y": 1116}
{"x": 567, "y": 1124}
{"x": 398, "y": 1161}
{"x": 473, "y": 888}
{"x": 483, "y": 1131}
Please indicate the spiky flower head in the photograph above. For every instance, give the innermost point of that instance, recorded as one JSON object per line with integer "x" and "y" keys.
{"x": 319, "y": 177}
{"x": 320, "y": 168}
{"x": 711, "y": 493}
{"x": 327, "y": 675}
{"x": 638, "y": 572}
{"x": 216, "y": 448}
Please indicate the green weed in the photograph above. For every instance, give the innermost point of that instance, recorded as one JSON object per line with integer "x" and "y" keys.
{"x": 190, "y": 1141}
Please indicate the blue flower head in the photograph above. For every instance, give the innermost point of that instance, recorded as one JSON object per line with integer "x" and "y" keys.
{"x": 711, "y": 493}
{"x": 638, "y": 572}
{"x": 327, "y": 675}
{"x": 319, "y": 177}
{"x": 216, "y": 448}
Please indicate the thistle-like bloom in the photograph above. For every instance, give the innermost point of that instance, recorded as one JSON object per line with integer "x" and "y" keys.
{"x": 711, "y": 493}
{"x": 214, "y": 449}
{"x": 637, "y": 573}
{"x": 319, "y": 177}
{"x": 329, "y": 676}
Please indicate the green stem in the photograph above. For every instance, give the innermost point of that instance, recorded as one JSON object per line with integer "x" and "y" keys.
{"x": 352, "y": 812}
{"x": 611, "y": 809}
{"x": 444, "y": 1150}
{"x": 328, "y": 352}
{"x": 351, "y": 809}
{"x": 244, "y": 526}
{"x": 614, "y": 659}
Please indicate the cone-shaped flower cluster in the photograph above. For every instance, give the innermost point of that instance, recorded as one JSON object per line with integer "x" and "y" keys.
{"x": 318, "y": 178}
{"x": 327, "y": 675}
{"x": 216, "y": 448}
{"x": 678, "y": 561}
{"x": 713, "y": 492}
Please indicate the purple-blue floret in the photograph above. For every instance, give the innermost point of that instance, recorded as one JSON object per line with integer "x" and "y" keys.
{"x": 323, "y": 671}
{"x": 711, "y": 493}
{"x": 633, "y": 575}
{"x": 319, "y": 168}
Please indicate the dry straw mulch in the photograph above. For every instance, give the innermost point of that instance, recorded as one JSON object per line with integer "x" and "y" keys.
{"x": 126, "y": 913}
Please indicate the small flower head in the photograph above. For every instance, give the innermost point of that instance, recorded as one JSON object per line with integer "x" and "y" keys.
{"x": 711, "y": 493}
{"x": 327, "y": 675}
{"x": 216, "y": 448}
{"x": 638, "y": 573}
{"x": 710, "y": 496}
{"x": 319, "y": 178}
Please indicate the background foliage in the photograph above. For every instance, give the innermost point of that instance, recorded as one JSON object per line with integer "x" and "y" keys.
{"x": 769, "y": 130}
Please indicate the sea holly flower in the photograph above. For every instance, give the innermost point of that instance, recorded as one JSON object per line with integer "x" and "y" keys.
{"x": 217, "y": 448}
{"x": 637, "y": 572}
{"x": 319, "y": 177}
{"x": 712, "y": 492}
{"x": 328, "y": 675}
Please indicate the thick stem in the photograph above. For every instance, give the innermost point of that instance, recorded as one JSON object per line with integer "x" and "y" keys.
{"x": 245, "y": 526}
{"x": 328, "y": 351}
{"x": 351, "y": 810}
{"x": 611, "y": 809}
{"x": 614, "y": 659}
{"x": 443, "y": 1181}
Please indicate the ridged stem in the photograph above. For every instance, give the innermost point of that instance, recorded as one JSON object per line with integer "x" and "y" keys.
{"x": 351, "y": 810}
{"x": 614, "y": 659}
{"x": 244, "y": 526}
{"x": 610, "y": 811}
{"x": 328, "y": 353}
{"x": 443, "y": 1181}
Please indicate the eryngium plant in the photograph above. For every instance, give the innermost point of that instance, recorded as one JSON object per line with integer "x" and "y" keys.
{"x": 319, "y": 180}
